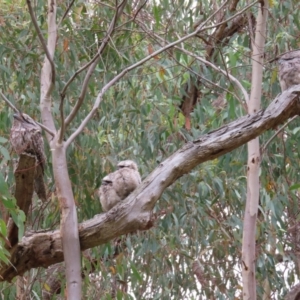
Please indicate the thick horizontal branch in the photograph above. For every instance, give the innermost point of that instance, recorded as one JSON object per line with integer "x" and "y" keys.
{"x": 43, "y": 249}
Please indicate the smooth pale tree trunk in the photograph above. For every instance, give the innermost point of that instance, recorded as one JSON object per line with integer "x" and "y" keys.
{"x": 254, "y": 159}
{"x": 68, "y": 222}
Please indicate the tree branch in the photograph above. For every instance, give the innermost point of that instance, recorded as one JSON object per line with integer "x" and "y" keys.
{"x": 44, "y": 248}
{"x": 9, "y": 103}
{"x": 92, "y": 67}
{"x": 48, "y": 69}
{"x": 45, "y": 48}
{"x": 265, "y": 146}
{"x": 66, "y": 12}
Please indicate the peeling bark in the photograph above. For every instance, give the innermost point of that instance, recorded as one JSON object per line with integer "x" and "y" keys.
{"x": 24, "y": 177}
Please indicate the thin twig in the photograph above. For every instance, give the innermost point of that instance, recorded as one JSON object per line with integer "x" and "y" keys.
{"x": 263, "y": 149}
{"x": 16, "y": 110}
{"x": 131, "y": 19}
{"x": 138, "y": 10}
{"x": 66, "y": 12}
{"x": 8, "y": 102}
{"x": 46, "y": 129}
{"x": 92, "y": 66}
{"x": 63, "y": 92}
{"x": 45, "y": 48}
{"x": 211, "y": 16}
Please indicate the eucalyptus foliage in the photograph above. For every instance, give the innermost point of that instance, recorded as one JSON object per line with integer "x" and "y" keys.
{"x": 200, "y": 217}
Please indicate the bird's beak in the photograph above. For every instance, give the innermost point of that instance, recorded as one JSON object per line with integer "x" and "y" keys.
{"x": 106, "y": 181}
{"x": 17, "y": 116}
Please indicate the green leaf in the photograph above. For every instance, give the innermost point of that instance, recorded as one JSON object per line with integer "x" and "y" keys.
{"x": 294, "y": 187}
{"x": 4, "y": 257}
{"x": 3, "y": 228}
{"x": 136, "y": 274}
{"x": 156, "y": 14}
{"x": 3, "y": 187}
{"x": 9, "y": 203}
{"x": 3, "y": 140}
{"x": 3, "y": 68}
{"x": 5, "y": 153}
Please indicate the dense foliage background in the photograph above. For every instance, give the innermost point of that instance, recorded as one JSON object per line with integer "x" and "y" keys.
{"x": 199, "y": 225}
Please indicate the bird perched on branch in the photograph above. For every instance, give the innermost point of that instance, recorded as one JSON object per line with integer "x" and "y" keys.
{"x": 118, "y": 185}
{"x": 289, "y": 69}
{"x": 26, "y": 139}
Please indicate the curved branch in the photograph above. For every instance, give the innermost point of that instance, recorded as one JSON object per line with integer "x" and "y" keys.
{"x": 43, "y": 42}
{"x": 44, "y": 248}
{"x": 232, "y": 78}
{"x": 9, "y": 103}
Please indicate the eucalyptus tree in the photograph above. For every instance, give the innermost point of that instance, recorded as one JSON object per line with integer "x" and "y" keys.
{"x": 117, "y": 80}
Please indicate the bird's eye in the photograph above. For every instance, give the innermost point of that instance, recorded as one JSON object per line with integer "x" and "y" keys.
{"x": 106, "y": 182}
{"x": 23, "y": 117}
{"x": 28, "y": 120}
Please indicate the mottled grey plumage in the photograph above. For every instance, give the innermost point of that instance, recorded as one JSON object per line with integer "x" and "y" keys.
{"x": 289, "y": 69}
{"x": 26, "y": 138}
{"x": 118, "y": 185}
